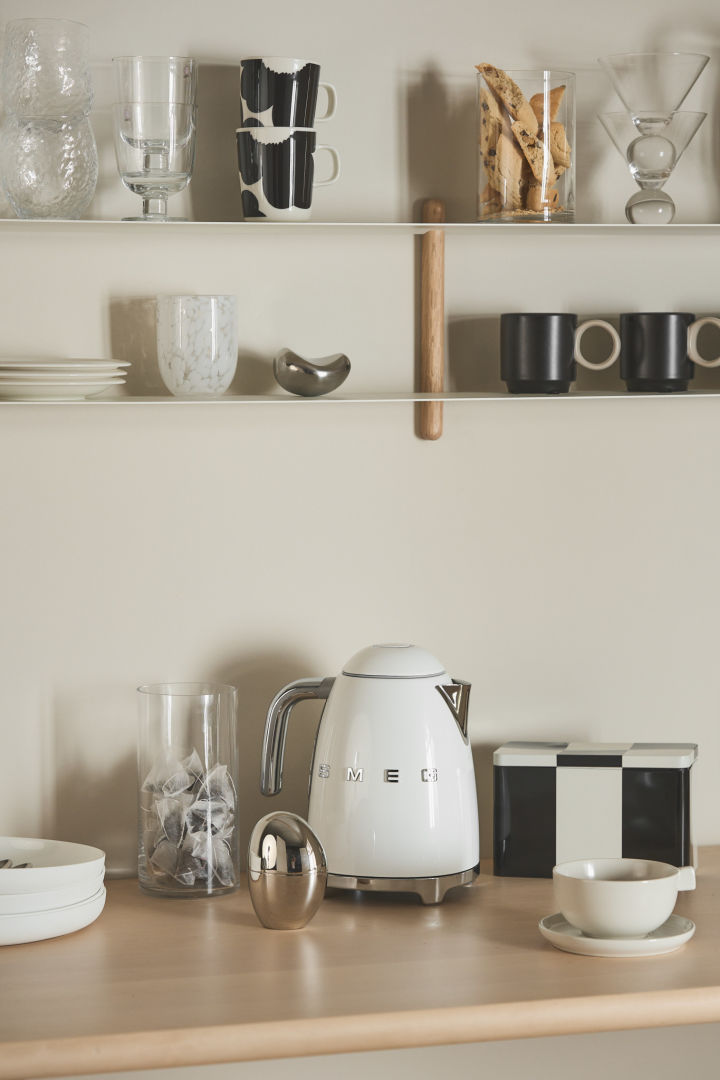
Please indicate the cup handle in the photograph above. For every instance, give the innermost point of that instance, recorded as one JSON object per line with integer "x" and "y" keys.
{"x": 336, "y": 162}
{"x": 686, "y": 878}
{"x": 615, "y": 337}
{"x": 693, "y": 332}
{"x": 331, "y": 93}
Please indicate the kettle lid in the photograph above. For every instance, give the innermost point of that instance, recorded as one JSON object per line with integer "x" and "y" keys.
{"x": 394, "y": 661}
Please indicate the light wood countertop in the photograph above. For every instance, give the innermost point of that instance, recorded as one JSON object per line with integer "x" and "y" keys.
{"x": 160, "y": 983}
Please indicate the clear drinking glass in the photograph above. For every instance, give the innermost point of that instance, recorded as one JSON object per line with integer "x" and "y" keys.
{"x": 197, "y": 344}
{"x": 156, "y": 78}
{"x": 46, "y": 68}
{"x": 187, "y": 789}
{"x": 155, "y": 151}
{"x": 49, "y": 167}
{"x": 526, "y": 145}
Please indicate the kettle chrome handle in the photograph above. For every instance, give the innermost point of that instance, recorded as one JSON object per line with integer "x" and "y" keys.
{"x": 276, "y": 727}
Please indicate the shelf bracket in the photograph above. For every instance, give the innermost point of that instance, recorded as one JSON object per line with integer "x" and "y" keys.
{"x": 432, "y": 319}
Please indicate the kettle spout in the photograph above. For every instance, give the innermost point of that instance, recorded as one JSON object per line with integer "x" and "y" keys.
{"x": 457, "y": 697}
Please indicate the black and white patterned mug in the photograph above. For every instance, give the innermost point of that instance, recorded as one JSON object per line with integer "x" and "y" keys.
{"x": 280, "y": 91}
{"x": 277, "y": 171}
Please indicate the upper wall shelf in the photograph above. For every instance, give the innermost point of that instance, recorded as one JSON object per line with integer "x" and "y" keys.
{"x": 579, "y": 229}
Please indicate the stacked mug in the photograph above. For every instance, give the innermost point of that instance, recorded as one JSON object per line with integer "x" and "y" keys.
{"x": 277, "y": 141}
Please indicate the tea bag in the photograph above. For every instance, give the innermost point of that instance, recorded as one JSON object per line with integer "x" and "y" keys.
{"x": 208, "y": 815}
{"x": 218, "y": 785}
{"x": 173, "y": 814}
{"x": 164, "y": 858}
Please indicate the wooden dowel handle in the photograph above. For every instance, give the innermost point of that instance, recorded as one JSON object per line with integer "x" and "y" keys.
{"x": 432, "y": 320}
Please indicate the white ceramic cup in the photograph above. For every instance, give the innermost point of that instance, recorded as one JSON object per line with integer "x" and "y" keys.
{"x": 197, "y": 344}
{"x": 618, "y": 898}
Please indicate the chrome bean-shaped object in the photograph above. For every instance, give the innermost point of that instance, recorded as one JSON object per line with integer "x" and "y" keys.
{"x": 287, "y": 871}
{"x": 310, "y": 378}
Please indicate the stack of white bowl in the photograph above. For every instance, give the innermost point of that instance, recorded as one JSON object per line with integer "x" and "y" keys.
{"x": 48, "y": 888}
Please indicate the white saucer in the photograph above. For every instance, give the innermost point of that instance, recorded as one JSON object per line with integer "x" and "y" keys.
{"x": 40, "y": 925}
{"x": 671, "y": 935}
{"x": 28, "y": 363}
{"x": 55, "y": 390}
{"x": 81, "y": 375}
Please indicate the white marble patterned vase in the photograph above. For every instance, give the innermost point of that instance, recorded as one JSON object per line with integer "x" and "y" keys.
{"x": 197, "y": 344}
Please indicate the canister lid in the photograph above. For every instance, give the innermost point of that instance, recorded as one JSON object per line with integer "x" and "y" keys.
{"x": 622, "y": 755}
{"x": 394, "y": 661}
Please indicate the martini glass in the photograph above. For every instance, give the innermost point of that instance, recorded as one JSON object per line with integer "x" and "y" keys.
{"x": 652, "y": 86}
{"x": 651, "y": 158}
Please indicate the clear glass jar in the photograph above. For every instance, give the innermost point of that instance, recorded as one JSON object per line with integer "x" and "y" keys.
{"x": 187, "y": 789}
{"x": 526, "y": 145}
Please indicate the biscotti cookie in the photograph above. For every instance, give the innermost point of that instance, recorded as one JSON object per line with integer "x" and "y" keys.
{"x": 510, "y": 94}
{"x": 540, "y": 198}
{"x": 490, "y": 122}
{"x": 559, "y": 147}
{"x": 507, "y": 173}
{"x": 538, "y": 155}
{"x": 537, "y": 104}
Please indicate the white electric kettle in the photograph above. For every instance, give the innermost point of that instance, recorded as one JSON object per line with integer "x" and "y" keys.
{"x": 392, "y": 783}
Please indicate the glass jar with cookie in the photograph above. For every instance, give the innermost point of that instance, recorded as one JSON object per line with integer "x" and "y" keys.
{"x": 526, "y": 145}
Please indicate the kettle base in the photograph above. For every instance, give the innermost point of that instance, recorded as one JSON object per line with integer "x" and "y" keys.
{"x": 431, "y": 890}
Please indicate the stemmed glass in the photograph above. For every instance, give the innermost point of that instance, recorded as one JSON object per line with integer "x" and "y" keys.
{"x": 651, "y": 159}
{"x": 155, "y": 151}
{"x": 652, "y": 135}
{"x": 155, "y": 128}
{"x": 653, "y": 86}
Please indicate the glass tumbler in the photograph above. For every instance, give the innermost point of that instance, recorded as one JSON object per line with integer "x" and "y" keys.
{"x": 46, "y": 68}
{"x": 146, "y": 79}
{"x": 197, "y": 343}
{"x": 187, "y": 789}
{"x": 49, "y": 167}
{"x": 526, "y": 145}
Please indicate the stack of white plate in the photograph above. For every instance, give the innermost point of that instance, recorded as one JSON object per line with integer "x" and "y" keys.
{"x": 50, "y": 379}
{"x": 61, "y": 890}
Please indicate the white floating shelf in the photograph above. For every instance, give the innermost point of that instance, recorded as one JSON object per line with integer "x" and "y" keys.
{"x": 365, "y": 399}
{"x": 399, "y": 227}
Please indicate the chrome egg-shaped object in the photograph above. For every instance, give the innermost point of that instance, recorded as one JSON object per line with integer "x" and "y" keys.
{"x": 287, "y": 871}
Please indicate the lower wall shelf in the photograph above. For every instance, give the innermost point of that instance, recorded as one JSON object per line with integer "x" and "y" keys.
{"x": 358, "y": 399}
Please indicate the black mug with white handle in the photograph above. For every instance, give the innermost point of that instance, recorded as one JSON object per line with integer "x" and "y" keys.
{"x": 659, "y": 349}
{"x": 539, "y": 351}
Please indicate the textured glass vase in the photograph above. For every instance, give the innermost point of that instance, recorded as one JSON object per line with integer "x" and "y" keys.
{"x": 49, "y": 167}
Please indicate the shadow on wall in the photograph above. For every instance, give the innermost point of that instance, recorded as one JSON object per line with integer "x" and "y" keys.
{"x": 133, "y": 337}
{"x": 441, "y": 140}
{"x": 258, "y": 678}
{"x": 215, "y": 189}
{"x": 473, "y": 360}
{"x": 96, "y": 803}
{"x": 483, "y": 761}
{"x": 95, "y": 793}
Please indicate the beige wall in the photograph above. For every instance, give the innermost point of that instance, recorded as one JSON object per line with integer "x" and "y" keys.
{"x": 559, "y": 554}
